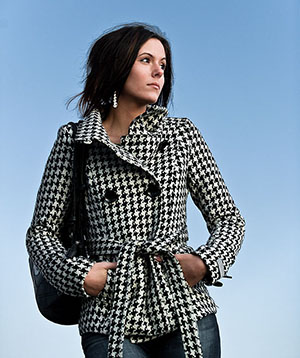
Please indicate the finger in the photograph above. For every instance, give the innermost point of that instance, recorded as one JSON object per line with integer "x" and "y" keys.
{"x": 107, "y": 265}
{"x": 158, "y": 258}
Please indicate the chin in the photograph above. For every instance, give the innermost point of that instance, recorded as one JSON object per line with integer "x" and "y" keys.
{"x": 152, "y": 100}
{"x": 144, "y": 101}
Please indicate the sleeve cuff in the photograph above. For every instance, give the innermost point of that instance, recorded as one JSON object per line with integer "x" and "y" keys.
{"x": 214, "y": 266}
{"x": 83, "y": 291}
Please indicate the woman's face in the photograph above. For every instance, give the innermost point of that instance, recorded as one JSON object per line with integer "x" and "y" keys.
{"x": 146, "y": 78}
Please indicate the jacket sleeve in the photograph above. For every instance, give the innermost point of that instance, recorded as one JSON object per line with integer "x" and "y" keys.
{"x": 42, "y": 239}
{"x": 210, "y": 194}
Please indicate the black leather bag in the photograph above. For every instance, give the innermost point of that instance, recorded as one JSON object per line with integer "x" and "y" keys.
{"x": 52, "y": 304}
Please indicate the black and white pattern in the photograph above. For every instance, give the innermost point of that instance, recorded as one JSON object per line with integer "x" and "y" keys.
{"x": 136, "y": 207}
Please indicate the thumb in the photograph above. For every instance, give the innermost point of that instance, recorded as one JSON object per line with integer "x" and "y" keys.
{"x": 178, "y": 256}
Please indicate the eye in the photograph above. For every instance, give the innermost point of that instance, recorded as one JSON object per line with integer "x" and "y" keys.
{"x": 163, "y": 66}
{"x": 145, "y": 59}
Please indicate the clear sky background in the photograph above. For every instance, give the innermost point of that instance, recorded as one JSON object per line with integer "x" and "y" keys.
{"x": 237, "y": 78}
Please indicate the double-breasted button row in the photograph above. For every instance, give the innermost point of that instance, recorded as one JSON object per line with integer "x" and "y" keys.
{"x": 153, "y": 190}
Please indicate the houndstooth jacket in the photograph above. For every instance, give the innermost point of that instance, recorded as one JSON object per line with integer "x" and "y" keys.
{"x": 136, "y": 208}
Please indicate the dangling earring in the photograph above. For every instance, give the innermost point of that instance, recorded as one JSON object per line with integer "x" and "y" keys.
{"x": 115, "y": 100}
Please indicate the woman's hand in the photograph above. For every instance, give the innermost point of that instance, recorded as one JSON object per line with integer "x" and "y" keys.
{"x": 96, "y": 278}
{"x": 194, "y": 269}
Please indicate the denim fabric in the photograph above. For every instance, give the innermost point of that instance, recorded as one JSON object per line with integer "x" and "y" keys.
{"x": 169, "y": 346}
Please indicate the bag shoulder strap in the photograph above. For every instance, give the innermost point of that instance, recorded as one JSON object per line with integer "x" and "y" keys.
{"x": 78, "y": 215}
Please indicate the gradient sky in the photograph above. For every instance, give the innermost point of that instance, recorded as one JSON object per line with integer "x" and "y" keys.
{"x": 237, "y": 78}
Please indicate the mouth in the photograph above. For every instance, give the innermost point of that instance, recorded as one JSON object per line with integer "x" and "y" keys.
{"x": 154, "y": 85}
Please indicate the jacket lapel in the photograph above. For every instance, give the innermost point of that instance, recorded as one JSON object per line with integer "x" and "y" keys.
{"x": 144, "y": 136}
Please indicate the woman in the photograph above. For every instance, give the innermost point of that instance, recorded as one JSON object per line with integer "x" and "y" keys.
{"x": 144, "y": 289}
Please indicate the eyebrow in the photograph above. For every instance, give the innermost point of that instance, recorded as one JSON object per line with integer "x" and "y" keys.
{"x": 149, "y": 54}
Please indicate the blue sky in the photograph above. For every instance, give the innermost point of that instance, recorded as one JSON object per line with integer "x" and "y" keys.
{"x": 237, "y": 78}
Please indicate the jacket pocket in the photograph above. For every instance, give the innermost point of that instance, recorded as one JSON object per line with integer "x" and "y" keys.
{"x": 107, "y": 291}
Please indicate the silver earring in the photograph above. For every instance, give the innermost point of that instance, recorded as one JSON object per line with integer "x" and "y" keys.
{"x": 115, "y": 100}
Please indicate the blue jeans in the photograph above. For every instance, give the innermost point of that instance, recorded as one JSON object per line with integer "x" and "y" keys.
{"x": 169, "y": 346}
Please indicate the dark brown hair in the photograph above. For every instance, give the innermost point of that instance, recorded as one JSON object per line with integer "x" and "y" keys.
{"x": 109, "y": 62}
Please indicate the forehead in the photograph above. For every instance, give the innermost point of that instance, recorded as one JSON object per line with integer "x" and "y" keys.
{"x": 154, "y": 47}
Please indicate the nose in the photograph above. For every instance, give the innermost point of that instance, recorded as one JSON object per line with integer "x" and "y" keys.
{"x": 157, "y": 71}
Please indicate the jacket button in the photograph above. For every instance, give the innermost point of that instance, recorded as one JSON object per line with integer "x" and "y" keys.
{"x": 110, "y": 195}
{"x": 153, "y": 190}
{"x": 162, "y": 145}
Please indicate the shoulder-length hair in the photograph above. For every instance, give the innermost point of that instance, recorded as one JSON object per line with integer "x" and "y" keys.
{"x": 110, "y": 59}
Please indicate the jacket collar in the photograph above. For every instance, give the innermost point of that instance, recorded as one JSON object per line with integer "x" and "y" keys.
{"x": 91, "y": 127}
{"x": 144, "y": 132}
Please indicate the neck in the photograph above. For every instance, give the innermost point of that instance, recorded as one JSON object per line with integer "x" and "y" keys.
{"x": 119, "y": 119}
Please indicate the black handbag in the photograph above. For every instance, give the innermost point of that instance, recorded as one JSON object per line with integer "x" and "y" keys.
{"x": 52, "y": 304}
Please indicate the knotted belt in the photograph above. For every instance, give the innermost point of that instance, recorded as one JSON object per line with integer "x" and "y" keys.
{"x": 123, "y": 293}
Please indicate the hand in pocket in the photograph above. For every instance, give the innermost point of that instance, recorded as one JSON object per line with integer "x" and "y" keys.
{"x": 96, "y": 278}
{"x": 194, "y": 269}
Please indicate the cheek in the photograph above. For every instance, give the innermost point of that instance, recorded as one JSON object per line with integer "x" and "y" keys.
{"x": 136, "y": 79}
{"x": 162, "y": 83}
{"x": 139, "y": 79}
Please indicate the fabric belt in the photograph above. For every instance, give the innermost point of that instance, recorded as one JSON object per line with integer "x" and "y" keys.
{"x": 123, "y": 291}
